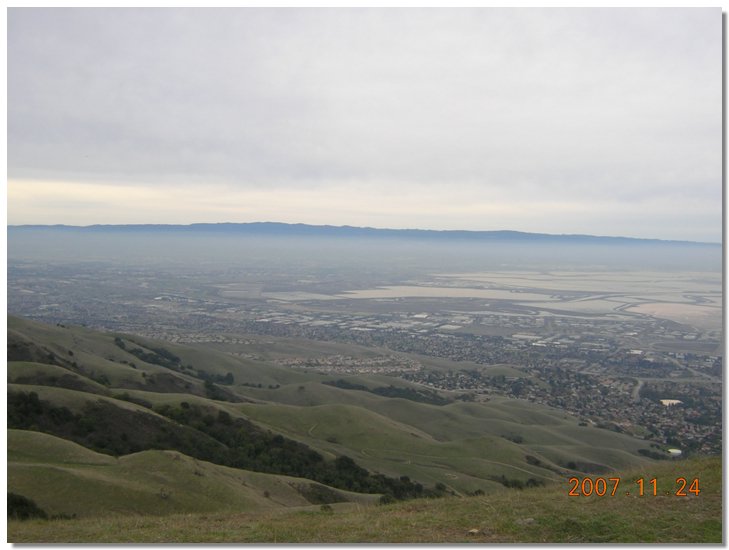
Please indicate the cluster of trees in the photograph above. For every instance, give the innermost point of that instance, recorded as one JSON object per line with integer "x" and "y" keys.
{"x": 26, "y": 411}
{"x": 204, "y": 433}
{"x": 422, "y": 396}
{"x": 252, "y": 448}
{"x": 518, "y": 483}
{"x": 165, "y": 358}
{"x": 106, "y": 428}
{"x": 20, "y": 507}
{"x": 225, "y": 379}
{"x": 156, "y": 356}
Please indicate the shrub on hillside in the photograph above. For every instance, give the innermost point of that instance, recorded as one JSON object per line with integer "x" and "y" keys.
{"x": 20, "y": 507}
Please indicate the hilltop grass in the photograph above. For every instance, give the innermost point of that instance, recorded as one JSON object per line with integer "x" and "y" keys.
{"x": 401, "y": 438}
{"x": 62, "y": 477}
{"x": 540, "y": 515}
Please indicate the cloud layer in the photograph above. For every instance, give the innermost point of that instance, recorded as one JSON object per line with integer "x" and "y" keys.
{"x": 589, "y": 121}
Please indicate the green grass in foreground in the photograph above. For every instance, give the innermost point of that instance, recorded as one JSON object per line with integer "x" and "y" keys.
{"x": 536, "y": 515}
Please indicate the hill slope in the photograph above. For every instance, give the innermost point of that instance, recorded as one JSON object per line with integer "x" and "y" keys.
{"x": 464, "y": 446}
{"x": 535, "y": 515}
{"x": 128, "y": 402}
{"x": 64, "y": 478}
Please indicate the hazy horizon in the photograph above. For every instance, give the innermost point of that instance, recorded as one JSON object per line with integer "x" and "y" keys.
{"x": 404, "y": 230}
{"x": 561, "y": 121}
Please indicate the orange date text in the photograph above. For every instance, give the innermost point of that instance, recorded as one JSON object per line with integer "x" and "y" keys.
{"x": 611, "y": 486}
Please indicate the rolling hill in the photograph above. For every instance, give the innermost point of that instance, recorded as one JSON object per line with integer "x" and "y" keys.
{"x": 64, "y": 478}
{"x": 103, "y": 424}
{"x": 538, "y": 515}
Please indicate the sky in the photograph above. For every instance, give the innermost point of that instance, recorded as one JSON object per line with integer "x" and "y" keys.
{"x": 590, "y": 121}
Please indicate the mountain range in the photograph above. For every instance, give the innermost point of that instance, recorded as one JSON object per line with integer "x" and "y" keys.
{"x": 305, "y": 230}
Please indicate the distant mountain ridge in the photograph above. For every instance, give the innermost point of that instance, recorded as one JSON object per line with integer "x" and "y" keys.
{"x": 300, "y": 229}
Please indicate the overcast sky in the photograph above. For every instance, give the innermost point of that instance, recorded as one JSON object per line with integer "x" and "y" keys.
{"x": 604, "y": 122}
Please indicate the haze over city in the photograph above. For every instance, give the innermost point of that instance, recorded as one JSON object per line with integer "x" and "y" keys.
{"x": 604, "y": 122}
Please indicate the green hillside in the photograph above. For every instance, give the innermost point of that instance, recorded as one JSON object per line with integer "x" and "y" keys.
{"x": 540, "y": 515}
{"x": 105, "y": 424}
{"x": 64, "y": 478}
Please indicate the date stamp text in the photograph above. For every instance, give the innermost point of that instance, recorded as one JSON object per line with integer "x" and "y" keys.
{"x": 611, "y": 486}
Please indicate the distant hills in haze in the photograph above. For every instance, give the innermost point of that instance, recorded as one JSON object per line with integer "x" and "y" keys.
{"x": 305, "y": 230}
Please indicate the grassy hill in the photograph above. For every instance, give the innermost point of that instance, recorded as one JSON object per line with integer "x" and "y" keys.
{"x": 539, "y": 515}
{"x": 64, "y": 478}
{"x": 109, "y": 424}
